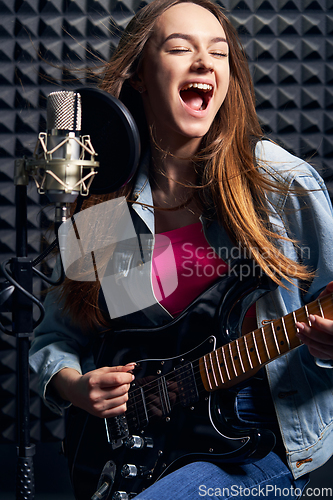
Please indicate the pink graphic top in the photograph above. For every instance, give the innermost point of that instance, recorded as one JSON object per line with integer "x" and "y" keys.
{"x": 196, "y": 263}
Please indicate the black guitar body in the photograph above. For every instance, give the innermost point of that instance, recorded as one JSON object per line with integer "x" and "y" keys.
{"x": 171, "y": 420}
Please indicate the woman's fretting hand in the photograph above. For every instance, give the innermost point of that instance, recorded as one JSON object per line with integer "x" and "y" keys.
{"x": 319, "y": 336}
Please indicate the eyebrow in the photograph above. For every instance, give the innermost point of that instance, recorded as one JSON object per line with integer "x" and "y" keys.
{"x": 190, "y": 38}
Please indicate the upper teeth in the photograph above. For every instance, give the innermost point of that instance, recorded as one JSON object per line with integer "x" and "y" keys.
{"x": 201, "y": 86}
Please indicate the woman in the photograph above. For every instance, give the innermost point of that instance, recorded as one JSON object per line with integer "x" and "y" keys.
{"x": 213, "y": 183}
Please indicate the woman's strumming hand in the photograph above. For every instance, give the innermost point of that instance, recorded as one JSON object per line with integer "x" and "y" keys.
{"x": 102, "y": 392}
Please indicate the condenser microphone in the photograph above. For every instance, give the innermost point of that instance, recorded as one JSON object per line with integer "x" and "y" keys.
{"x": 64, "y": 169}
{"x": 63, "y": 124}
{"x": 91, "y": 146}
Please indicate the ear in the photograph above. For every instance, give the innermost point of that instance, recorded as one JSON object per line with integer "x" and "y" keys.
{"x": 137, "y": 83}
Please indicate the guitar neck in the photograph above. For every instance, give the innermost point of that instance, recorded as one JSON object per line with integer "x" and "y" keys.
{"x": 240, "y": 359}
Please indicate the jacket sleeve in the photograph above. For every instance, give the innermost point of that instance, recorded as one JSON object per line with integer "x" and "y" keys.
{"x": 312, "y": 226}
{"x": 306, "y": 214}
{"x": 58, "y": 343}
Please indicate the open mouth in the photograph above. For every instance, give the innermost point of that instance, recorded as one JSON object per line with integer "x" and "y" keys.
{"x": 196, "y": 95}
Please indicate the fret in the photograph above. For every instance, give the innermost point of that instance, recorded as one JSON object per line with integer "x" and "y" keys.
{"x": 315, "y": 308}
{"x": 320, "y": 308}
{"x": 240, "y": 355}
{"x": 300, "y": 315}
{"x": 217, "y": 362}
{"x": 307, "y": 314}
{"x": 251, "y": 342}
{"x": 207, "y": 373}
{"x": 237, "y": 360}
{"x": 212, "y": 369}
{"x": 256, "y": 347}
{"x": 285, "y": 333}
{"x": 253, "y": 348}
{"x": 294, "y": 317}
{"x": 280, "y": 331}
{"x": 245, "y": 355}
{"x": 265, "y": 343}
{"x": 295, "y": 320}
{"x": 275, "y": 338}
{"x": 232, "y": 359}
{"x": 221, "y": 363}
{"x": 225, "y": 363}
{"x": 248, "y": 351}
{"x": 291, "y": 330}
{"x": 266, "y": 332}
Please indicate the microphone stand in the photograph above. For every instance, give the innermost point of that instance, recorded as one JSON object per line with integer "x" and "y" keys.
{"x": 21, "y": 278}
{"x": 22, "y": 318}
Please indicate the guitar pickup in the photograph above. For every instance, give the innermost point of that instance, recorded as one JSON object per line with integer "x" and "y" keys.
{"x": 164, "y": 396}
{"x": 187, "y": 387}
{"x": 137, "y": 403}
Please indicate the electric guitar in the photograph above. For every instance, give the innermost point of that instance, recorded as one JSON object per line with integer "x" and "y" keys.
{"x": 180, "y": 406}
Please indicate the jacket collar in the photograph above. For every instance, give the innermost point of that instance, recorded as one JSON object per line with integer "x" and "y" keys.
{"x": 143, "y": 196}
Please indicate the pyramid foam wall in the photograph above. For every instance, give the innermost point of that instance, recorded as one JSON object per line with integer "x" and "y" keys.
{"x": 290, "y": 49}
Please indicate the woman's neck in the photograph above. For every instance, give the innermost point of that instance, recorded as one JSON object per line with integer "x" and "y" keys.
{"x": 172, "y": 177}
{"x": 171, "y": 181}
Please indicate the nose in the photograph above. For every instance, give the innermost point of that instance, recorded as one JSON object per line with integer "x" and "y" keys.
{"x": 203, "y": 63}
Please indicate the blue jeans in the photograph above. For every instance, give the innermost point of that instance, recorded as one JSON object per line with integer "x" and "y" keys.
{"x": 268, "y": 478}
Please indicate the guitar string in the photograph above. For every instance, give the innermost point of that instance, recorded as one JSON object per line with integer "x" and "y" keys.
{"x": 227, "y": 358}
{"x": 172, "y": 376}
{"x": 151, "y": 389}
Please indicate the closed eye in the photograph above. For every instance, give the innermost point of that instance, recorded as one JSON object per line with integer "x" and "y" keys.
{"x": 219, "y": 54}
{"x": 179, "y": 50}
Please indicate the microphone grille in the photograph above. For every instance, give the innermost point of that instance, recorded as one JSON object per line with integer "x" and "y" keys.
{"x": 64, "y": 110}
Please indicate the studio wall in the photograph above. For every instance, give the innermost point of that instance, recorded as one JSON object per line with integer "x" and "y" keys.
{"x": 290, "y": 49}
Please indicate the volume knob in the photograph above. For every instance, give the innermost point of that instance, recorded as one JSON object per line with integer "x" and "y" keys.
{"x": 129, "y": 470}
{"x": 134, "y": 442}
{"x": 138, "y": 442}
{"x": 122, "y": 495}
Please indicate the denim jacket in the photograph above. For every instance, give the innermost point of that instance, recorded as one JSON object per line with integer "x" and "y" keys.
{"x": 301, "y": 386}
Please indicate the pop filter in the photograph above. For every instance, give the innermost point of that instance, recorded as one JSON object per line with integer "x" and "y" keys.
{"x": 114, "y": 136}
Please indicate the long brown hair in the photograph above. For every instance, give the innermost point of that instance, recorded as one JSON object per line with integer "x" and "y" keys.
{"x": 230, "y": 178}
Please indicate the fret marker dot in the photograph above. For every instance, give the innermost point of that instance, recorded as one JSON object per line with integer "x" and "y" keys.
{"x": 251, "y": 350}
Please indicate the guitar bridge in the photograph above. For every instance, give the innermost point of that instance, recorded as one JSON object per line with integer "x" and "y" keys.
{"x": 116, "y": 430}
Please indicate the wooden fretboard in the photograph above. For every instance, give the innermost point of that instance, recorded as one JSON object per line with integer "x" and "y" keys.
{"x": 241, "y": 358}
